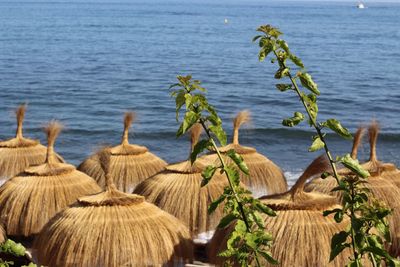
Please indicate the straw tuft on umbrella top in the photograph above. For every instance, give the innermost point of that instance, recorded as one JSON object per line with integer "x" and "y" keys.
{"x": 265, "y": 176}
{"x": 130, "y": 164}
{"x": 388, "y": 171}
{"x": 30, "y": 199}
{"x": 113, "y": 228}
{"x": 382, "y": 188}
{"x": 18, "y": 153}
{"x": 178, "y": 191}
{"x": 302, "y": 235}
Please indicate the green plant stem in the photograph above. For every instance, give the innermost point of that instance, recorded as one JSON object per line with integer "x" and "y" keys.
{"x": 313, "y": 122}
{"x": 374, "y": 264}
{"x": 223, "y": 164}
{"x": 352, "y": 215}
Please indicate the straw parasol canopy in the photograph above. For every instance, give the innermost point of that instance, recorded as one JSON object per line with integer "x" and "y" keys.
{"x": 18, "y": 153}
{"x": 130, "y": 164}
{"x": 2, "y": 234}
{"x": 265, "y": 176}
{"x": 178, "y": 191}
{"x": 388, "y": 171}
{"x": 113, "y": 228}
{"x": 382, "y": 188}
{"x": 302, "y": 235}
{"x": 30, "y": 199}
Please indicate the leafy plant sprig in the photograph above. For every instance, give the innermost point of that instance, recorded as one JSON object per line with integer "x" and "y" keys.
{"x": 13, "y": 249}
{"x": 363, "y": 215}
{"x": 249, "y": 240}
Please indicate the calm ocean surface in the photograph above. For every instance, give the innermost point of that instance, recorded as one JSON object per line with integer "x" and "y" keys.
{"x": 87, "y": 63}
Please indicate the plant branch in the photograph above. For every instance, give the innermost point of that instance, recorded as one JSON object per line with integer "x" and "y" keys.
{"x": 313, "y": 121}
{"x": 223, "y": 164}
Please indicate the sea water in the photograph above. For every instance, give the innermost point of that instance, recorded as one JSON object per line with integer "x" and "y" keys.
{"x": 86, "y": 63}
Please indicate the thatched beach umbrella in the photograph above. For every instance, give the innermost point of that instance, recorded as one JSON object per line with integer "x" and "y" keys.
{"x": 129, "y": 164}
{"x": 302, "y": 235}
{"x": 18, "y": 153}
{"x": 2, "y": 234}
{"x": 265, "y": 176}
{"x": 388, "y": 171}
{"x": 381, "y": 187}
{"x": 113, "y": 228}
{"x": 178, "y": 191}
{"x": 30, "y": 199}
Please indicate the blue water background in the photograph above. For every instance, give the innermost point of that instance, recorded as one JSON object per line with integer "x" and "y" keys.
{"x": 87, "y": 63}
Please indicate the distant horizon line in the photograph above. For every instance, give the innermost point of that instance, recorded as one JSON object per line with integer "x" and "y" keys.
{"x": 202, "y": 1}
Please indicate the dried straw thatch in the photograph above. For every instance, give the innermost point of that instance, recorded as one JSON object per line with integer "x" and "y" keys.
{"x": 18, "y": 153}
{"x": 113, "y": 228}
{"x": 381, "y": 187}
{"x": 130, "y": 164}
{"x": 177, "y": 190}
{"x": 302, "y": 235}
{"x": 265, "y": 176}
{"x": 29, "y": 200}
{"x": 2, "y": 234}
{"x": 388, "y": 171}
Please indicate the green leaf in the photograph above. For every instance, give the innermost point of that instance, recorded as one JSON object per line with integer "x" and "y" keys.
{"x": 338, "y": 217}
{"x": 337, "y": 244}
{"x": 238, "y": 161}
{"x": 308, "y": 82}
{"x": 255, "y": 38}
{"x": 311, "y": 102}
{"x": 393, "y": 263}
{"x": 196, "y": 85}
{"x": 341, "y": 187}
{"x": 325, "y": 175}
{"x": 296, "y": 119}
{"x": 179, "y": 101}
{"x": 265, "y": 209}
{"x": 335, "y": 126}
{"x": 268, "y": 257}
{"x": 214, "y": 205}
{"x": 240, "y": 227}
{"x": 190, "y": 118}
{"x": 378, "y": 251}
{"x": 374, "y": 241}
{"x": 359, "y": 240}
{"x": 219, "y": 133}
{"x": 233, "y": 175}
{"x": 383, "y": 230}
{"x": 282, "y": 72}
{"x": 336, "y": 251}
{"x": 354, "y": 263}
{"x": 198, "y": 148}
{"x": 251, "y": 240}
{"x": 297, "y": 61}
{"x": 184, "y": 80}
{"x": 214, "y": 119}
{"x": 357, "y": 224}
{"x": 316, "y": 145}
{"x": 207, "y": 174}
{"x": 226, "y": 220}
{"x": 261, "y": 55}
{"x": 282, "y": 44}
{"x": 283, "y": 87}
{"x": 269, "y": 31}
{"x": 18, "y": 249}
{"x": 354, "y": 166}
{"x": 327, "y": 212}
{"x": 188, "y": 100}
